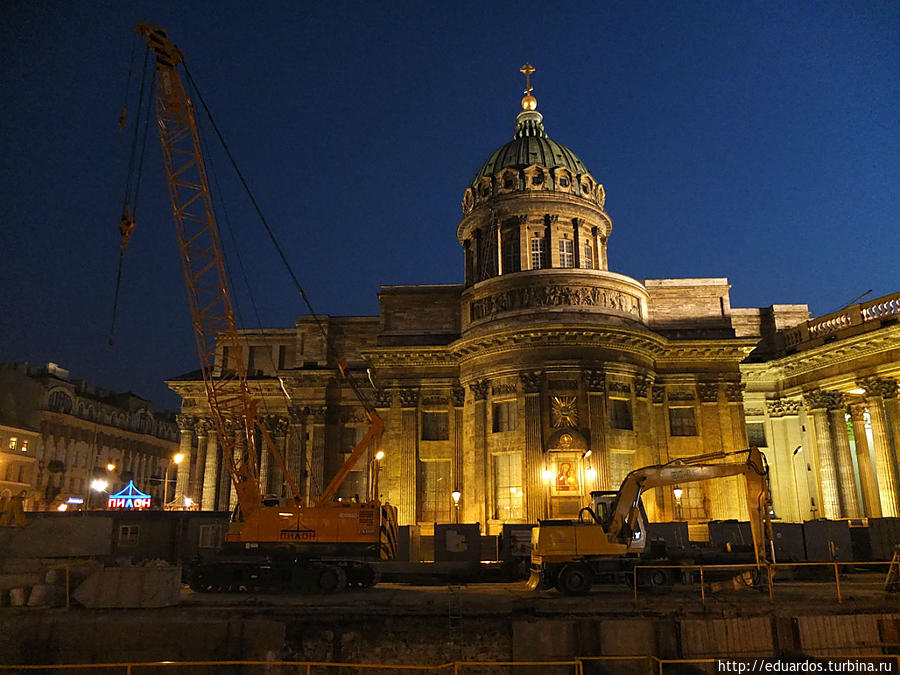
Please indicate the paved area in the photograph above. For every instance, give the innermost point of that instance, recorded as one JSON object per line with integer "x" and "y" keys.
{"x": 858, "y": 593}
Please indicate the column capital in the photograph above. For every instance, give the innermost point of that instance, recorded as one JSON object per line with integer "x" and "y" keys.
{"x": 877, "y": 386}
{"x": 594, "y": 381}
{"x": 857, "y": 412}
{"x": 642, "y": 385}
{"x": 658, "y": 394}
{"x": 296, "y": 414}
{"x": 734, "y": 391}
{"x": 202, "y": 427}
{"x": 818, "y": 399}
{"x": 779, "y": 407}
{"x": 409, "y": 398}
{"x": 479, "y": 389}
{"x": 531, "y": 381}
{"x": 458, "y": 394}
{"x": 384, "y": 398}
{"x": 708, "y": 392}
{"x": 186, "y": 422}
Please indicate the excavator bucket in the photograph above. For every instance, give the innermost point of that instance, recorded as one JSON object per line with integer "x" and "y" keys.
{"x": 536, "y": 581}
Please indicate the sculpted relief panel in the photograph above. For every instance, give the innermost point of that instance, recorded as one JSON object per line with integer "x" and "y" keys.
{"x": 554, "y": 296}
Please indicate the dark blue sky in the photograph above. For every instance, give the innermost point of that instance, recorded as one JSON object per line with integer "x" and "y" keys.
{"x": 752, "y": 140}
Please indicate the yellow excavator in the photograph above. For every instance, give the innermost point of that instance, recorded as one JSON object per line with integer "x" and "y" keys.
{"x": 610, "y": 536}
{"x": 272, "y": 544}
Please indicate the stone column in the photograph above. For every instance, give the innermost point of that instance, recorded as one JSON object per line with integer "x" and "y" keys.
{"x": 409, "y": 444}
{"x": 224, "y": 499}
{"x": 186, "y": 425}
{"x": 459, "y": 400}
{"x": 877, "y": 390}
{"x": 196, "y": 483}
{"x": 240, "y": 446}
{"x": 665, "y": 500}
{"x": 535, "y": 489}
{"x": 475, "y": 462}
{"x": 210, "y": 472}
{"x": 598, "y": 419}
{"x": 645, "y": 433}
{"x": 315, "y": 425}
{"x": 265, "y": 461}
{"x": 721, "y": 493}
{"x": 871, "y": 503}
{"x": 818, "y": 402}
{"x": 849, "y": 499}
{"x": 735, "y": 418}
{"x": 294, "y": 453}
{"x": 280, "y": 433}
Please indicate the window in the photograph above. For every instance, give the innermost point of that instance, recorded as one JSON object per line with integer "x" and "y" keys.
{"x": 504, "y": 416}
{"x": 538, "y": 257}
{"x": 24, "y": 447}
{"x": 129, "y": 535}
{"x": 508, "y": 494}
{"x": 563, "y": 181}
{"x": 260, "y": 359}
{"x": 566, "y": 256}
{"x": 588, "y": 260}
{"x": 60, "y": 402}
{"x": 756, "y": 434}
{"x": 435, "y": 426}
{"x": 13, "y": 442}
{"x": 620, "y": 414}
{"x": 508, "y": 182}
{"x": 509, "y": 245}
{"x": 210, "y": 536}
{"x": 287, "y": 356}
{"x": 681, "y": 422}
{"x": 537, "y": 178}
{"x": 434, "y": 492}
{"x": 227, "y": 358}
{"x": 693, "y": 502}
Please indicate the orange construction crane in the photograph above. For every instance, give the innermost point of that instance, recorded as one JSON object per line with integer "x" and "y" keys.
{"x": 269, "y": 545}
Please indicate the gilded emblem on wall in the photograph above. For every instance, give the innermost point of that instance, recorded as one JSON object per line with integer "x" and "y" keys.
{"x": 565, "y": 411}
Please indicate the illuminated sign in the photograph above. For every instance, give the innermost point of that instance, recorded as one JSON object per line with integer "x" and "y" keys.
{"x": 128, "y": 497}
{"x": 75, "y": 500}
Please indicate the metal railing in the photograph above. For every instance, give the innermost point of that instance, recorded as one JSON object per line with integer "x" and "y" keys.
{"x": 890, "y": 663}
{"x": 769, "y": 570}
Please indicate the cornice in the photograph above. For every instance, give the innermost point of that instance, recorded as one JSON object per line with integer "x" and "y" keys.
{"x": 386, "y": 357}
{"x": 839, "y": 352}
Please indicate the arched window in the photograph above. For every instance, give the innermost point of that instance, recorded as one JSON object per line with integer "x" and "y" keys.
{"x": 60, "y": 401}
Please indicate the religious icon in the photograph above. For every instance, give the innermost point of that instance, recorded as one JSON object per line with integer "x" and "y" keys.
{"x": 566, "y": 480}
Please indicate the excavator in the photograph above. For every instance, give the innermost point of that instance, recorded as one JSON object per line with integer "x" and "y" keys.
{"x": 610, "y": 536}
{"x": 272, "y": 544}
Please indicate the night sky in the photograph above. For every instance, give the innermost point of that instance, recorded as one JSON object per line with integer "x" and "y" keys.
{"x": 751, "y": 140}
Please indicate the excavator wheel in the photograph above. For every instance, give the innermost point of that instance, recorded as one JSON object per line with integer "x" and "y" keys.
{"x": 331, "y": 579}
{"x": 655, "y": 580}
{"x": 574, "y": 579}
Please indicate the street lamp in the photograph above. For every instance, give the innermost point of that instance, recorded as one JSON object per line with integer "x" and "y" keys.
{"x": 110, "y": 467}
{"x": 378, "y": 457}
{"x": 456, "y": 494}
{"x": 677, "y": 491}
{"x": 176, "y": 459}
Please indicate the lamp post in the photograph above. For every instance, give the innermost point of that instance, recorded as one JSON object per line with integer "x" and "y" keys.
{"x": 456, "y": 494}
{"x": 176, "y": 460}
{"x": 378, "y": 457}
{"x": 677, "y": 491}
{"x": 547, "y": 475}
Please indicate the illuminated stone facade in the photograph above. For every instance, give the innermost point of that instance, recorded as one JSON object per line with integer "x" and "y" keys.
{"x": 73, "y": 432}
{"x": 544, "y": 375}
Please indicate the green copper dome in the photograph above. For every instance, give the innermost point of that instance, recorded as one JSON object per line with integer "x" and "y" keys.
{"x": 530, "y": 145}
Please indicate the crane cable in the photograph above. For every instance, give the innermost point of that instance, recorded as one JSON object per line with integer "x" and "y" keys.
{"x": 284, "y": 260}
{"x": 127, "y": 221}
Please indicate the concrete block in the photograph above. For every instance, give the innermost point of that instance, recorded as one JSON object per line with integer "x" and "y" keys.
{"x": 18, "y": 596}
{"x": 131, "y": 587}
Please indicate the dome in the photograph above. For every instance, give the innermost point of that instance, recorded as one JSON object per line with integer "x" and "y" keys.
{"x": 530, "y": 145}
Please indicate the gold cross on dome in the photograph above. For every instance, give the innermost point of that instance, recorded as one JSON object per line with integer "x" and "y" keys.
{"x": 527, "y": 70}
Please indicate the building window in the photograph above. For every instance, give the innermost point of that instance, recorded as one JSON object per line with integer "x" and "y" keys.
{"x": 508, "y": 494}
{"x": 693, "y": 502}
{"x": 538, "y": 256}
{"x": 509, "y": 245}
{"x": 260, "y": 359}
{"x": 566, "y": 255}
{"x": 504, "y": 416}
{"x": 435, "y": 426}
{"x": 227, "y": 358}
{"x": 24, "y": 447}
{"x": 588, "y": 260}
{"x": 756, "y": 434}
{"x": 287, "y": 356}
{"x": 13, "y": 442}
{"x": 210, "y": 536}
{"x": 434, "y": 492}
{"x": 620, "y": 414}
{"x": 60, "y": 402}
{"x": 129, "y": 535}
{"x": 681, "y": 422}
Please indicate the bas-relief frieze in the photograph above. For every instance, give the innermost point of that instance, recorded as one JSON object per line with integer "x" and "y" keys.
{"x": 554, "y": 296}
{"x": 500, "y": 389}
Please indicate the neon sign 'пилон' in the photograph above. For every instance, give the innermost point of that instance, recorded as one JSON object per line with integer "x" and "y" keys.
{"x": 129, "y": 497}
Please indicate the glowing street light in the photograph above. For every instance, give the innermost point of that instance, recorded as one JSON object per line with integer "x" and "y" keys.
{"x": 379, "y": 455}
{"x": 591, "y": 474}
{"x": 99, "y": 485}
{"x": 177, "y": 458}
{"x": 110, "y": 467}
{"x": 456, "y": 494}
{"x": 188, "y": 502}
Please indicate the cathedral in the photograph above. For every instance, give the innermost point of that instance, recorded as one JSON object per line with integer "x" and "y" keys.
{"x": 545, "y": 376}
